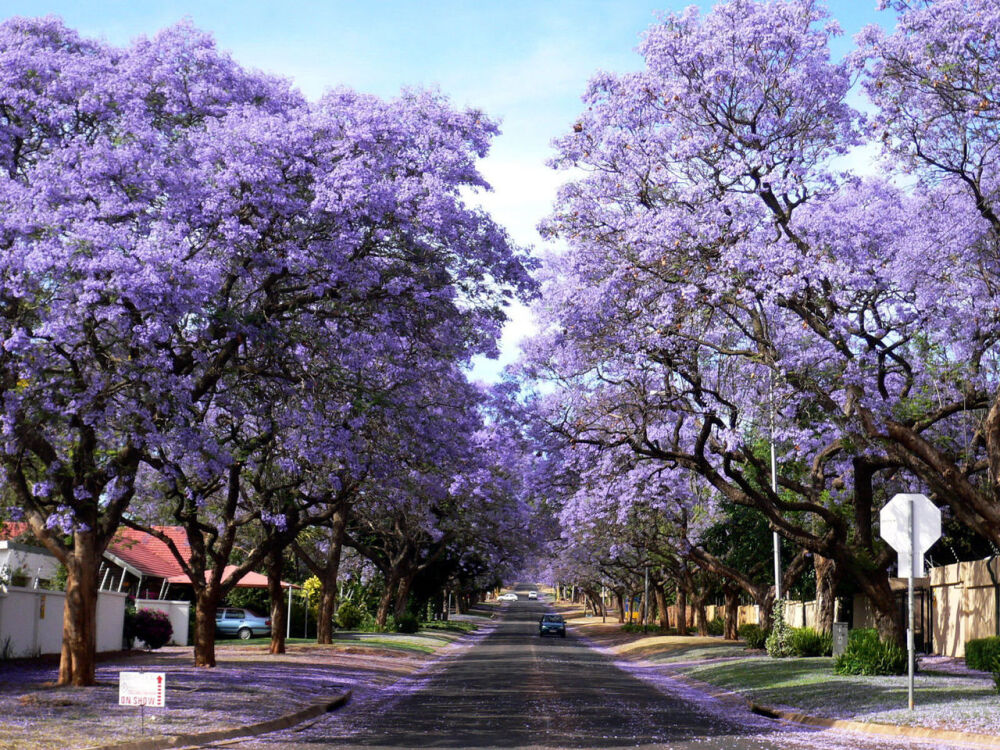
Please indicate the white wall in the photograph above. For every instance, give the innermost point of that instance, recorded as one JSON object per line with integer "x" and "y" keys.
{"x": 177, "y": 611}
{"x": 31, "y": 620}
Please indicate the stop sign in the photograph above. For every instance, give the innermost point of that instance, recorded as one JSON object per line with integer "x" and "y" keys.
{"x": 894, "y": 526}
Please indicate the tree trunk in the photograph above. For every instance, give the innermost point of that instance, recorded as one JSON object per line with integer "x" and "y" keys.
{"x": 275, "y": 565}
{"x": 826, "y": 586}
{"x": 682, "y": 610}
{"x": 700, "y": 615}
{"x": 403, "y": 593}
{"x": 382, "y": 615}
{"x": 206, "y": 604}
{"x": 661, "y": 605}
{"x": 732, "y": 614}
{"x": 621, "y": 605}
{"x": 888, "y": 621}
{"x": 328, "y": 581}
{"x": 764, "y": 599}
{"x": 78, "y": 658}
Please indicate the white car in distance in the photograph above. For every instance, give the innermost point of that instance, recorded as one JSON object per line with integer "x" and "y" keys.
{"x": 510, "y": 596}
{"x": 532, "y": 594}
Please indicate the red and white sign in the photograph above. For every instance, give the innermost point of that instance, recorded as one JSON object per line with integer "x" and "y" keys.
{"x": 141, "y": 689}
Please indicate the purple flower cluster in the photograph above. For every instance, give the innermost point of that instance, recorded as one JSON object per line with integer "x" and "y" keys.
{"x": 730, "y": 285}
{"x": 224, "y": 305}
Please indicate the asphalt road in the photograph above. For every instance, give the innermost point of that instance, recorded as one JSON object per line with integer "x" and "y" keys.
{"x": 514, "y": 689}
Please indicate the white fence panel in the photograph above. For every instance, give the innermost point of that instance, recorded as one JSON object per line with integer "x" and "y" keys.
{"x": 110, "y": 620}
{"x": 31, "y": 621}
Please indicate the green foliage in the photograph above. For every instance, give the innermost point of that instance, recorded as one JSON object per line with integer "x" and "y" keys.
{"x": 866, "y": 654}
{"x": 996, "y": 674}
{"x": 407, "y": 623}
{"x": 753, "y": 635}
{"x": 128, "y": 624}
{"x": 254, "y": 599}
{"x": 349, "y": 616}
{"x": 313, "y": 589}
{"x": 153, "y": 627}
{"x": 810, "y": 642}
{"x": 779, "y": 640}
{"x": 58, "y": 582}
{"x": 717, "y": 626}
{"x": 982, "y": 653}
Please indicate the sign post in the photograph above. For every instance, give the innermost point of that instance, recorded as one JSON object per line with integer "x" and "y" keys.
{"x": 142, "y": 689}
{"x": 910, "y": 523}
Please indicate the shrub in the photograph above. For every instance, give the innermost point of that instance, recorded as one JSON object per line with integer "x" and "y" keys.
{"x": 349, "y": 616}
{"x": 810, "y": 642}
{"x": 778, "y": 643}
{"x": 996, "y": 674}
{"x": 153, "y": 627}
{"x": 981, "y": 653}
{"x": 128, "y": 624}
{"x": 753, "y": 635}
{"x": 717, "y": 626}
{"x": 866, "y": 654}
{"x": 407, "y": 623}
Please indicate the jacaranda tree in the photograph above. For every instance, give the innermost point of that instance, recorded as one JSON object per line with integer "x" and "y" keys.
{"x": 173, "y": 225}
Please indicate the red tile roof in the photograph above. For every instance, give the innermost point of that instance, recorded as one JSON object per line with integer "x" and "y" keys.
{"x": 13, "y": 529}
{"x": 150, "y": 556}
{"x": 153, "y": 557}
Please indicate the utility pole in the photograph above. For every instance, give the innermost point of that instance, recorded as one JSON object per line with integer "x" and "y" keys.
{"x": 645, "y": 599}
{"x": 774, "y": 489}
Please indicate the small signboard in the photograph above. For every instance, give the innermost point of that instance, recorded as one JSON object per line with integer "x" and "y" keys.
{"x": 141, "y": 689}
{"x": 839, "y": 638}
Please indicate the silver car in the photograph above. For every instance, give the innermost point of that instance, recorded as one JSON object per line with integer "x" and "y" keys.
{"x": 241, "y": 622}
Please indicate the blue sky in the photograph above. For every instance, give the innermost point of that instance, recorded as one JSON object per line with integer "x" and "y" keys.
{"x": 525, "y": 62}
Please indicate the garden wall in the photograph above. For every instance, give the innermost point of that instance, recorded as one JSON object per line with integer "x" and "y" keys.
{"x": 963, "y": 605}
{"x": 31, "y": 621}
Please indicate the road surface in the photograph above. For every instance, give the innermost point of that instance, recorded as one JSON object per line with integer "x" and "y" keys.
{"x": 513, "y": 689}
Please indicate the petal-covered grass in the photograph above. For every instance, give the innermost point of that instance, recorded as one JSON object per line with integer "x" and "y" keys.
{"x": 248, "y": 686}
{"x": 962, "y": 702}
{"x": 946, "y": 694}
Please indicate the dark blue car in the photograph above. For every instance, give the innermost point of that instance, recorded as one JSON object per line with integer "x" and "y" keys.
{"x": 552, "y": 625}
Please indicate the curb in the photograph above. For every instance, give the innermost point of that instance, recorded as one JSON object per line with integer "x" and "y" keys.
{"x": 262, "y": 727}
{"x": 869, "y": 727}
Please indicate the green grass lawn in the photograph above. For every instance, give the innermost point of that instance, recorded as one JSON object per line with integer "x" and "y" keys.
{"x": 427, "y": 640}
{"x": 696, "y": 652}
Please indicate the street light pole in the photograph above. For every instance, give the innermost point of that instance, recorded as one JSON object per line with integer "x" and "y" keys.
{"x": 774, "y": 489}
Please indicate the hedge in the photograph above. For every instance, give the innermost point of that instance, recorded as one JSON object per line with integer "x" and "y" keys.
{"x": 982, "y": 653}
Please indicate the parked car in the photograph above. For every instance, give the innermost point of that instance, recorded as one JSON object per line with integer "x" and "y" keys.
{"x": 241, "y": 622}
{"x": 552, "y": 625}
{"x": 532, "y": 594}
{"x": 510, "y": 596}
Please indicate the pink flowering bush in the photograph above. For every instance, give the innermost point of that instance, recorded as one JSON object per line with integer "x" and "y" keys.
{"x": 153, "y": 627}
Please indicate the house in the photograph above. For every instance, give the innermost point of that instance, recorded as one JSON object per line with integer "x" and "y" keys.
{"x": 26, "y": 565}
{"x": 135, "y": 563}
{"x": 145, "y": 566}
